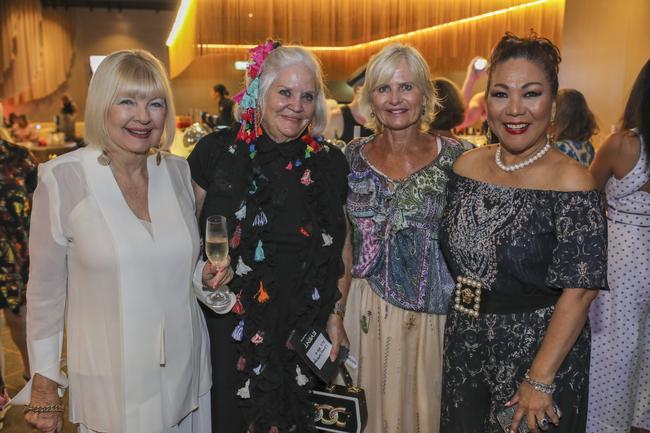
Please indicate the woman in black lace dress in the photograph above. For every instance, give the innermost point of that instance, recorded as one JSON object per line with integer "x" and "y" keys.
{"x": 525, "y": 239}
{"x": 282, "y": 191}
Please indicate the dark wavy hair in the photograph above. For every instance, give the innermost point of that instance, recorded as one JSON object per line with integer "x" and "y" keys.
{"x": 452, "y": 112}
{"x": 637, "y": 109}
{"x": 574, "y": 120}
{"x": 534, "y": 48}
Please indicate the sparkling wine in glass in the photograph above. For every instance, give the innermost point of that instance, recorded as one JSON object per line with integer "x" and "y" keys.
{"x": 216, "y": 248}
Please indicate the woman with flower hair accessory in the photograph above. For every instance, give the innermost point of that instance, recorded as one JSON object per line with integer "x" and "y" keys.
{"x": 282, "y": 189}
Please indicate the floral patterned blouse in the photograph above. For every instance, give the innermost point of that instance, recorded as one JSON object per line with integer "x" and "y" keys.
{"x": 524, "y": 245}
{"x": 396, "y": 224}
{"x": 17, "y": 182}
{"x": 581, "y": 151}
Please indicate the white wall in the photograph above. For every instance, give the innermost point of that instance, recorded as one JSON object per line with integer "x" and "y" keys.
{"x": 605, "y": 44}
{"x": 100, "y": 32}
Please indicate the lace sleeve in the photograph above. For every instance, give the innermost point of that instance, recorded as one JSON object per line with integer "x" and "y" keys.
{"x": 580, "y": 256}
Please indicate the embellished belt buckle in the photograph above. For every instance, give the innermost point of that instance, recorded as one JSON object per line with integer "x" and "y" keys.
{"x": 468, "y": 296}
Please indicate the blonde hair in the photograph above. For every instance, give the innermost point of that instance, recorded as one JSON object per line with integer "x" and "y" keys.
{"x": 285, "y": 56}
{"x": 134, "y": 72}
{"x": 380, "y": 70}
{"x": 5, "y": 135}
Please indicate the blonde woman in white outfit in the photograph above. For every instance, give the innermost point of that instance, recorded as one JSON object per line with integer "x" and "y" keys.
{"x": 115, "y": 240}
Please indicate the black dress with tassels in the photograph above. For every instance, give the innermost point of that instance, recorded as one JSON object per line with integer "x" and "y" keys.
{"x": 284, "y": 205}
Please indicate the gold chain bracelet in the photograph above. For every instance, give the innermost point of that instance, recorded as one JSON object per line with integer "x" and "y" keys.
{"x": 44, "y": 409}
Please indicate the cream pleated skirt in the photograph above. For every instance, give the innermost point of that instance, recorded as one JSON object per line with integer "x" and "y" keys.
{"x": 400, "y": 362}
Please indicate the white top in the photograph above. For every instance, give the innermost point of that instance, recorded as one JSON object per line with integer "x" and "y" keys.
{"x": 137, "y": 344}
{"x": 626, "y": 203}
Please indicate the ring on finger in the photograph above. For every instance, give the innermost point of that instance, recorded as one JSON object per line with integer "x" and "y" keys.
{"x": 544, "y": 422}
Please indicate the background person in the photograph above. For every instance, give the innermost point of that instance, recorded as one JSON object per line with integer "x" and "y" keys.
{"x": 17, "y": 183}
{"x": 575, "y": 124}
{"x": 401, "y": 287}
{"x": 67, "y": 117}
{"x": 347, "y": 121}
{"x": 619, "y": 386}
{"x": 225, "y": 105}
{"x": 475, "y": 104}
{"x": 451, "y": 112}
{"x": 10, "y": 121}
{"x": 525, "y": 238}
{"x": 113, "y": 245}
{"x": 282, "y": 191}
{"x": 23, "y": 131}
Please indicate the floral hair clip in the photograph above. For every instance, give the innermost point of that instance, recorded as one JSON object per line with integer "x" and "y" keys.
{"x": 247, "y": 98}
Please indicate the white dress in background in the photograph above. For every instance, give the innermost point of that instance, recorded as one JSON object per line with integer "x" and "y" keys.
{"x": 137, "y": 345}
{"x": 619, "y": 380}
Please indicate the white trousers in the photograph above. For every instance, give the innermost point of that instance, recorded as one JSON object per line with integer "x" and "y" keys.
{"x": 199, "y": 421}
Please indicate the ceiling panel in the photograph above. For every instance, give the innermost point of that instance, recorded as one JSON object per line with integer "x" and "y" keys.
{"x": 114, "y": 4}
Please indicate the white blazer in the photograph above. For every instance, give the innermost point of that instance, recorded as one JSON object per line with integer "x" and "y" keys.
{"x": 137, "y": 344}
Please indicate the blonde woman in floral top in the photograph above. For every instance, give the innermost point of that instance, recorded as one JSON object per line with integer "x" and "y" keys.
{"x": 401, "y": 287}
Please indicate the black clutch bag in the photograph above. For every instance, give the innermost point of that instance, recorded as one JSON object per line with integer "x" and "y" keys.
{"x": 340, "y": 409}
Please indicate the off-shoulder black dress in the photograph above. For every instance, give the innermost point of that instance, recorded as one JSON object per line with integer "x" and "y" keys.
{"x": 525, "y": 247}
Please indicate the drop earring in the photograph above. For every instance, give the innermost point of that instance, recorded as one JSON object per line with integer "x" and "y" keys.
{"x": 550, "y": 138}
{"x": 158, "y": 154}
{"x": 103, "y": 159}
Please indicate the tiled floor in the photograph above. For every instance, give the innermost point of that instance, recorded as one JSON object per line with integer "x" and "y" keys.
{"x": 14, "y": 422}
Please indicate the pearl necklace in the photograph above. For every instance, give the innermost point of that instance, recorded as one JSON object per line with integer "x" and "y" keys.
{"x": 522, "y": 164}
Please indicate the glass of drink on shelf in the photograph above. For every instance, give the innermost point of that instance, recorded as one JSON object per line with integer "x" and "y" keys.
{"x": 216, "y": 248}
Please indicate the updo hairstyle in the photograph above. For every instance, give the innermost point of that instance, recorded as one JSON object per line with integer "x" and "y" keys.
{"x": 539, "y": 50}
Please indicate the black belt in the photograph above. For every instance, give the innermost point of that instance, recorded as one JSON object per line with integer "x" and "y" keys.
{"x": 470, "y": 298}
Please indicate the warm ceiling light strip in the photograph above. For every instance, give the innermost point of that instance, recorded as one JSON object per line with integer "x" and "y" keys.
{"x": 178, "y": 22}
{"x": 394, "y": 37}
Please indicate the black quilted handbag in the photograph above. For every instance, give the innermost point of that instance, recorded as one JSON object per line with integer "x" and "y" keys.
{"x": 340, "y": 409}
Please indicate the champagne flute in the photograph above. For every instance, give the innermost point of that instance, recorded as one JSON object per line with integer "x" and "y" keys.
{"x": 216, "y": 248}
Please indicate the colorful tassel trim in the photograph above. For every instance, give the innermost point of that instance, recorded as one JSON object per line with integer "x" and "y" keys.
{"x": 241, "y": 363}
{"x": 259, "y": 252}
{"x": 258, "y": 338}
{"x": 244, "y": 392}
{"x": 236, "y": 237}
{"x": 242, "y": 268}
{"x": 260, "y": 219}
{"x": 327, "y": 240}
{"x": 262, "y": 295}
{"x": 238, "y": 308}
{"x": 238, "y": 333}
{"x": 306, "y": 178}
{"x": 301, "y": 379}
{"x": 241, "y": 213}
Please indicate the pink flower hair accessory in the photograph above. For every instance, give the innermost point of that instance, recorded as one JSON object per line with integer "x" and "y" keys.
{"x": 247, "y": 98}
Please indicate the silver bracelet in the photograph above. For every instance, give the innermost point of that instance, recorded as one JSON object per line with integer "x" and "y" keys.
{"x": 539, "y": 386}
